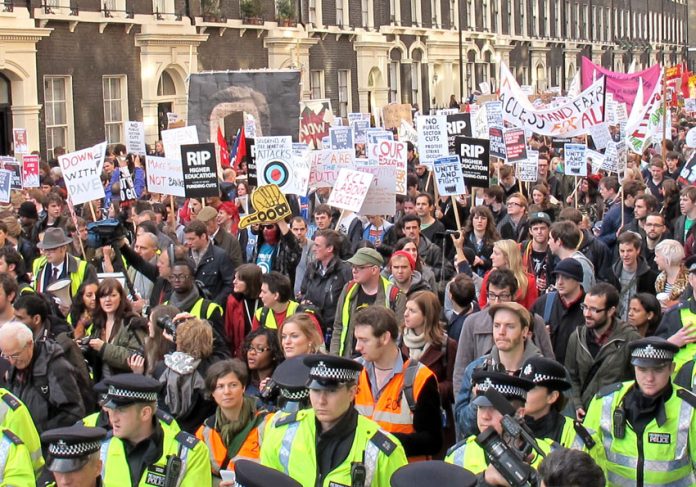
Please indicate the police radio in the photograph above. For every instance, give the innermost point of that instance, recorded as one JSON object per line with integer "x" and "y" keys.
{"x": 172, "y": 471}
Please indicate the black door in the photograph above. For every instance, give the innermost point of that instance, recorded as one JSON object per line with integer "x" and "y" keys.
{"x": 162, "y": 122}
{"x": 5, "y": 116}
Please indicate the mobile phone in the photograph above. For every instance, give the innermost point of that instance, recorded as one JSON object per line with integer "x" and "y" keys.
{"x": 228, "y": 475}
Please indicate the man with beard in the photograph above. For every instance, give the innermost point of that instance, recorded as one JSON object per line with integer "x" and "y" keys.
{"x": 655, "y": 232}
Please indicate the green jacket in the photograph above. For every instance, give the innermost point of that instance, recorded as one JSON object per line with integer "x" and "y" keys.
{"x": 130, "y": 338}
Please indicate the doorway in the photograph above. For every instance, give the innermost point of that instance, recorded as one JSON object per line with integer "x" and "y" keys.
{"x": 162, "y": 120}
{"x": 5, "y": 116}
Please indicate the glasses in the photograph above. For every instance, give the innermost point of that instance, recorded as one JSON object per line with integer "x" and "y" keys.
{"x": 14, "y": 356}
{"x": 592, "y": 309}
{"x": 656, "y": 225}
{"x": 358, "y": 268}
{"x": 180, "y": 277}
{"x": 499, "y": 297}
{"x": 250, "y": 349}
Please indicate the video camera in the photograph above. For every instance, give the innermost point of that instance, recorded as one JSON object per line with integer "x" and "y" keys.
{"x": 167, "y": 324}
{"x": 508, "y": 453}
{"x": 105, "y": 232}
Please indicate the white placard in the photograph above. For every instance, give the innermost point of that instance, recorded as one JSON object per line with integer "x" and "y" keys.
{"x": 350, "y": 190}
{"x": 600, "y": 135}
{"x": 82, "y": 173}
{"x": 135, "y": 137}
{"x": 449, "y": 176}
{"x": 432, "y": 138}
{"x": 165, "y": 176}
{"x": 173, "y": 139}
{"x": 574, "y": 156}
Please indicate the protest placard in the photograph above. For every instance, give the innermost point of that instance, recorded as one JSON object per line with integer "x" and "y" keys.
{"x": 326, "y": 165}
{"x": 30, "y": 171}
{"x": 270, "y": 206}
{"x": 5, "y": 185}
{"x": 350, "y": 189}
{"x": 495, "y": 136}
{"x": 391, "y": 153}
{"x": 475, "y": 159}
{"x": 82, "y": 173}
{"x": 574, "y": 158}
{"x": 125, "y": 185}
{"x": 374, "y": 135}
{"x": 690, "y": 105}
{"x": 199, "y": 165}
{"x": 515, "y": 145}
{"x": 315, "y": 121}
{"x": 494, "y": 113}
{"x": 528, "y": 169}
{"x": 165, "y": 176}
{"x": 249, "y": 125}
{"x": 274, "y": 162}
{"x": 11, "y": 164}
{"x": 21, "y": 141}
{"x": 173, "y": 139}
{"x": 458, "y": 124}
{"x": 135, "y": 137}
{"x": 479, "y": 124}
{"x": 250, "y": 160}
{"x": 360, "y": 130}
{"x": 595, "y": 160}
{"x": 614, "y": 156}
{"x": 394, "y": 113}
{"x": 600, "y": 135}
{"x": 690, "y": 140}
{"x": 172, "y": 119}
{"x": 381, "y": 199}
{"x": 355, "y": 117}
{"x": 449, "y": 176}
{"x": 341, "y": 138}
{"x": 407, "y": 133}
{"x": 432, "y": 137}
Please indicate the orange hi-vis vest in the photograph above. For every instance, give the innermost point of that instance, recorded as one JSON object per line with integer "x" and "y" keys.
{"x": 250, "y": 448}
{"x": 392, "y": 411}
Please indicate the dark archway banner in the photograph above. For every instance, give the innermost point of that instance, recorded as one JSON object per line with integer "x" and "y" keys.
{"x": 272, "y": 97}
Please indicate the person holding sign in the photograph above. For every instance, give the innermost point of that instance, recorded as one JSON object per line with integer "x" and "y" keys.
{"x": 131, "y": 168}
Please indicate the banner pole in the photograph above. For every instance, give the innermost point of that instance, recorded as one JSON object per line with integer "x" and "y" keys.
{"x": 94, "y": 214}
{"x": 430, "y": 178}
{"x": 455, "y": 208}
{"x": 171, "y": 202}
{"x": 576, "y": 191}
{"x": 664, "y": 114}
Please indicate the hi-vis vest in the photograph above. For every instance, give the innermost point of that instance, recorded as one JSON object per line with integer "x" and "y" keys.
{"x": 195, "y": 464}
{"x": 469, "y": 455}
{"x": 688, "y": 351}
{"x": 392, "y": 411}
{"x": 220, "y": 456}
{"x": 663, "y": 456}
{"x": 270, "y": 321}
{"x": 15, "y": 462}
{"x": 197, "y": 309}
{"x": 15, "y": 416}
{"x": 389, "y": 298}
{"x": 40, "y": 265}
{"x": 289, "y": 446}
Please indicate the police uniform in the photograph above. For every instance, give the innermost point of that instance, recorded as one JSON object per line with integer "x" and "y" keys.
{"x": 15, "y": 416}
{"x": 468, "y": 453}
{"x": 180, "y": 451}
{"x": 435, "y": 472}
{"x": 647, "y": 440}
{"x": 16, "y": 468}
{"x": 69, "y": 448}
{"x": 251, "y": 474}
{"x": 291, "y": 378}
{"x": 294, "y": 445}
{"x": 561, "y": 429}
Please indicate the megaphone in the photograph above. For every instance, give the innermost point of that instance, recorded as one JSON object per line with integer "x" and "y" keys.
{"x": 61, "y": 291}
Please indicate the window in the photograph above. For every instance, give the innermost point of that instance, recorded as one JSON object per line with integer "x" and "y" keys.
{"x": 392, "y": 10}
{"x": 416, "y": 12}
{"x": 339, "y": 13}
{"x": 162, "y": 7}
{"x": 115, "y": 107}
{"x": 453, "y": 14}
{"x": 312, "y": 12}
{"x": 343, "y": 92}
{"x": 58, "y": 111}
{"x": 365, "y": 12}
{"x": 435, "y": 13}
{"x": 535, "y": 17}
{"x": 415, "y": 82}
{"x": 510, "y": 17}
{"x": 394, "y": 68}
{"x": 316, "y": 84}
{"x": 569, "y": 20}
{"x": 523, "y": 17}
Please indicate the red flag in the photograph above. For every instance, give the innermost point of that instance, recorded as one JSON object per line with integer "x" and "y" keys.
{"x": 685, "y": 83}
{"x": 224, "y": 150}
{"x": 241, "y": 152}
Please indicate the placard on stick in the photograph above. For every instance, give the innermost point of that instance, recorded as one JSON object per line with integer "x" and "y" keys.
{"x": 448, "y": 175}
{"x": 30, "y": 171}
{"x": 515, "y": 145}
{"x": 574, "y": 156}
{"x": 199, "y": 164}
{"x": 165, "y": 176}
{"x": 475, "y": 158}
{"x": 350, "y": 190}
{"x": 82, "y": 173}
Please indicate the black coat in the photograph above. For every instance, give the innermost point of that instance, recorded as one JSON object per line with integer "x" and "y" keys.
{"x": 561, "y": 321}
{"x": 323, "y": 290}
{"x": 162, "y": 289}
{"x": 215, "y": 272}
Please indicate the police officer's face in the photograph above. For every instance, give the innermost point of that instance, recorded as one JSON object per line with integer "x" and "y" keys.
{"x": 652, "y": 380}
{"x": 84, "y": 477}
{"x": 330, "y": 405}
{"x": 127, "y": 421}
{"x": 539, "y": 401}
{"x": 488, "y": 416}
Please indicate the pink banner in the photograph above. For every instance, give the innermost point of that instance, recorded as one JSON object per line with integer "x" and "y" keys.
{"x": 623, "y": 86}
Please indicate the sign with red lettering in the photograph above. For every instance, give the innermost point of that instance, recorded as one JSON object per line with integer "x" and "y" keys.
{"x": 392, "y": 153}
{"x": 82, "y": 173}
{"x": 30, "y": 171}
{"x": 326, "y": 164}
{"x": 165, "y": 176}
{"x": 350, "y": 190}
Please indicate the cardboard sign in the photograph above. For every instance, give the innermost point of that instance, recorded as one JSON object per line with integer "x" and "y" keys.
{"x": 135, "y": 137}
{"x": 165, "y": 176}
{"x": 495, "y": 136}
{"x": 249, "y": 125}
{"x": 21, "y": 141}
{"x": 82, "y": 173}
{"x": 326, "y": 164}
{"x": 360, "y": 131}
{"x": 479, "y": 123}
{"x": 600, "y": 135}
{"x": 199, "y": 164}
{"x": 494, "y": 113}
{"x": 394, "y": 113}
{"x": 458, "y": 124}
{"x": 381, "y": 199}
{"x": 391, "y": 153}
{"x": 173, "y": 139}
{"x": 690, "y": 105}
{"x": 270, "y": 204}
{"x": 475, "y": 158}
{"x": 341, "y": 138}
{"x": 528, "y": 169}
{"x": 407, "y": 133}
{"x": 595, "y": 160}
{"x": 11, "y": 164}
{"x": 449, "y": 176}
{"x": 515, "y": 145}
{"x": 30, "y": 171}
{"x": 350, "y": 190}
{"x": 274, "y": 161}
{"x": 316, "y": 118}
{"x": 574, "y": 156}
{"x": 373, "y": 138}
{"x": 614, "y": 157}
{"x": 690, "y": 140}
{"x": 432, "y": 138}
{"x": 5, "y": 185}
{"x": 172, "y": 120}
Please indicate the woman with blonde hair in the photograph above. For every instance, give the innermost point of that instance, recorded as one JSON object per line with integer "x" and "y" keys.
{"x": 506, "y": 255}
{"x": 673, "y": 278}
{"x": 298, "y": 335}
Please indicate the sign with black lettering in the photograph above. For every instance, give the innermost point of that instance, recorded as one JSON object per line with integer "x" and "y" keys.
{"x": 457, "y": 124}
{"x": 250, "y": 159}
{"x": 475, "y": 157}
{"x": 448, "y": 175}
{"x": 200, "y": 170}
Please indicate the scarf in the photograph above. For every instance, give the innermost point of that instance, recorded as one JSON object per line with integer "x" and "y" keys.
{"x": 186, "y": 302}
{"x": 229, "y": 429}
{"x": 416, "y": 343}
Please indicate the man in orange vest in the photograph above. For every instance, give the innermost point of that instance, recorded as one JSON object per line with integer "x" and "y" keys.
{"x": 400, "y": 394}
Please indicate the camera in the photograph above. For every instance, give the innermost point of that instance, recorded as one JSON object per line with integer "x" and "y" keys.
{"x": 105, "y": 232}
{"x": 83, "y": 343}
{"x": 167, "y": 324}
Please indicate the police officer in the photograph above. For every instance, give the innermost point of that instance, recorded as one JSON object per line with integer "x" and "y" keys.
{"x": 15, "y": 416}
{"x": 468, "y": 453}
{"x": 432, "y": 473}
{"x": 251, "y": 474}
{"x": 290, "y": 378}
{"x": 545, "y": 403}
{"x": 74, "y": 455}
{"x": 331, "y": 444}
{"x": 647, "y": 426}
{"x": 138, "y": 451}
{"x": 15, "y": 462}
